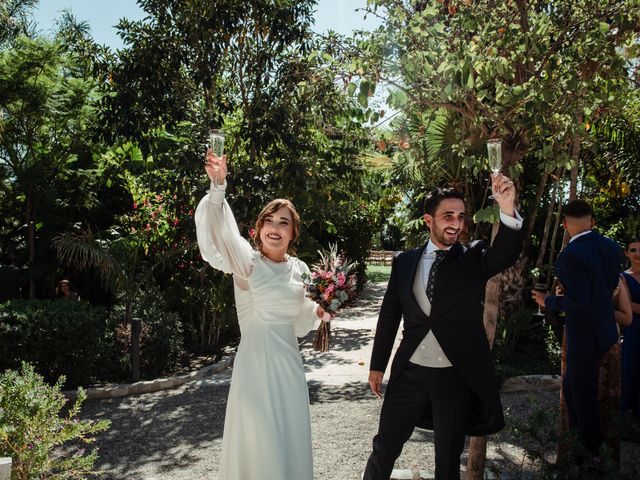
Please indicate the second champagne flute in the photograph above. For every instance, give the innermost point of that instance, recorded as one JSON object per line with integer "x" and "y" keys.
{"x": 494, "y": 151}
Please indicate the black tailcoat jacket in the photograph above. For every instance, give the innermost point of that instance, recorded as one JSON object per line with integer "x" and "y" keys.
{"x": 456, "y": 320}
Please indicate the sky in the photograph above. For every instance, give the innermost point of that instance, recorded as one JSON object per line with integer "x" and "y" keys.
{"x": 102, "y": 16}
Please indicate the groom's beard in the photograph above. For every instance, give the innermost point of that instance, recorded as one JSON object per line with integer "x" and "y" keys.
{"x": 441, "y": 235}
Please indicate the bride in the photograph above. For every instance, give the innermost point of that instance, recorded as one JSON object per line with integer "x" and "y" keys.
{"x": 267, "y": 431}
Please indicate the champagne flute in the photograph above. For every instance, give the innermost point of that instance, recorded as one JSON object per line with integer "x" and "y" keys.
{"x": 494, "y": 150}
{"x": 216, "y": 143}
{"x": 542, "y": 288}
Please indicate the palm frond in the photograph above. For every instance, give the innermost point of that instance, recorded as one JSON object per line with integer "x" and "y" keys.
{"x": 82, "y": 251}
{"x": 623, "y": 139}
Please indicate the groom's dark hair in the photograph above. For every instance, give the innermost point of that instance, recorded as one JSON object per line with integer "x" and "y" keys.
{"x": 435, "y": 196}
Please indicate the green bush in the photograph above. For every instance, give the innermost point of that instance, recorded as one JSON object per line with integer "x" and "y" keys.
{"x": 525, "y": 346}
{"x": 59, "y": 337}
{"x": 31, "y": 425}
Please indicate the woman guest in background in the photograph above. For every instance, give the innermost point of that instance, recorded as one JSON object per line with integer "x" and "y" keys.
{"x": 267, "y": 430}
{"x": 64, "y": 291}
{"x": 609, "y": 389}
{"x": 631, "y": 335}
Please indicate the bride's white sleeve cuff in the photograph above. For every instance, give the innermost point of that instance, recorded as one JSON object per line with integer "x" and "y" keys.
{"x": 216, "y": 193}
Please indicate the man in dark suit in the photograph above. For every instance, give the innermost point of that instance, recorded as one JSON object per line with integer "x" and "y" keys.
{"x": 442, "y": 377}
{"x": 588, "y": 269}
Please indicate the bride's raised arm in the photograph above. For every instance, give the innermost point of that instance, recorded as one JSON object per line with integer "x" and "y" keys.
{"x": 218, "y": 236}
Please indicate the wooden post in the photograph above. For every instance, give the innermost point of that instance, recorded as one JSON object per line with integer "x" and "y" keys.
{"x": 5, "y": 468}
{"x": 136, "y": 327}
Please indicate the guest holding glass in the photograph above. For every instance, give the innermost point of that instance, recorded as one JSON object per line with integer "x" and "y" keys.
{"x": 609, "y": 390}
{"x": 589, "y": 269}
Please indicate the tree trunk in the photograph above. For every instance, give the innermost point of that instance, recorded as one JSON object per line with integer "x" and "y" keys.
{"x": 542, "y": 185}
{"x": 554, "y": 238}
{"x": 547, "y": 226}
{"x": 564, "y": 413}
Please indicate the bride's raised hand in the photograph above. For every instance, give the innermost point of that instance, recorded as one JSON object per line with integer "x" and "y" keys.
{"x": 216, "y": 167}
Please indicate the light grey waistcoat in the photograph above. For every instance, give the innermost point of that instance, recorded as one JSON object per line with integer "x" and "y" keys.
{"x": 429, "y": 352}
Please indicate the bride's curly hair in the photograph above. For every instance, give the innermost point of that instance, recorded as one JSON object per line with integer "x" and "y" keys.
{"x": 272, "y": 207}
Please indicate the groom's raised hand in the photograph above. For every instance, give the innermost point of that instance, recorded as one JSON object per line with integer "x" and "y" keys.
{"x": 504, "y": 192}
{"x": 375, "y": 381}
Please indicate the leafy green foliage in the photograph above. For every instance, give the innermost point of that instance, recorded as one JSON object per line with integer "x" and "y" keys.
{"x": 33, "y": 423}
{"x": 540, "y": 436}
{"x": 536, "y": 75}
{"x": 59, "y": 337}
{"x": 15, "y": 19}
{"x": 525, "y": 346}
{"x": 46, "y": 112}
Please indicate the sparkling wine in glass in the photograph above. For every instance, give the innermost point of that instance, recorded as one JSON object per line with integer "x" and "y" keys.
{"x": 542, "y": 288}
{"x": 494, "y": 150}
{"x": 216, "y": 143}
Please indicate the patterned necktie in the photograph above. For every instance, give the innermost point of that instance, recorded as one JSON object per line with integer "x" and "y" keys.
{"x": 440, "y": 254}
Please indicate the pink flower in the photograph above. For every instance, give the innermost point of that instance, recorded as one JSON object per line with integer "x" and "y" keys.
{"x": 135, "y": 205}
{"x": 341, "y": 279}
{"x": 328, "y": 292}
{"x": 158, "y": 197}
{"x": 154, "y": 214}
{"x": 252, "y": 232}
{"x": 175, "y": 222}
{"x": 314, "y": 275}
{"x": 328, "y": 275}
{"x": 148, "y": 227}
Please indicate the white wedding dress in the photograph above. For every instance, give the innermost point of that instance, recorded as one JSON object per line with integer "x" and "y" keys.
{"x": 267, "y": 428}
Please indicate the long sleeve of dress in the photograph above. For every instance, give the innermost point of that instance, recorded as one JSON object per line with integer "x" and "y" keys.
{"x": 308, "y": 317}
{"x": 218, "y": 236}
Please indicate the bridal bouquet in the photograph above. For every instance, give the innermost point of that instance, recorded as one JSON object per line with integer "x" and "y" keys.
{"x": 332, "y": 285}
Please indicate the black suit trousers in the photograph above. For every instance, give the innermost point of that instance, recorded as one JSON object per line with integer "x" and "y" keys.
{"x": 580, "y": 389}
{"x": 403, "y": 406}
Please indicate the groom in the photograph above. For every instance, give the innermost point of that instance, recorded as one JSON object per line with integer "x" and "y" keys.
{"x": 442, "y": 377}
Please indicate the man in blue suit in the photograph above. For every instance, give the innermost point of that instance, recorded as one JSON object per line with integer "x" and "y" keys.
{"x": 588, "y": 269}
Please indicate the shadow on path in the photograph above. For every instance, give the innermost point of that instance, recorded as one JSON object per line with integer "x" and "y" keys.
{"x": 170, "y": 429}
{"x": 320, "y": 393}
{"x": 341, "y": 341}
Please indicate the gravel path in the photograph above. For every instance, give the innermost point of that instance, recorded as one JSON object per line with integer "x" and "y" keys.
{"x": 177, "y": 434}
